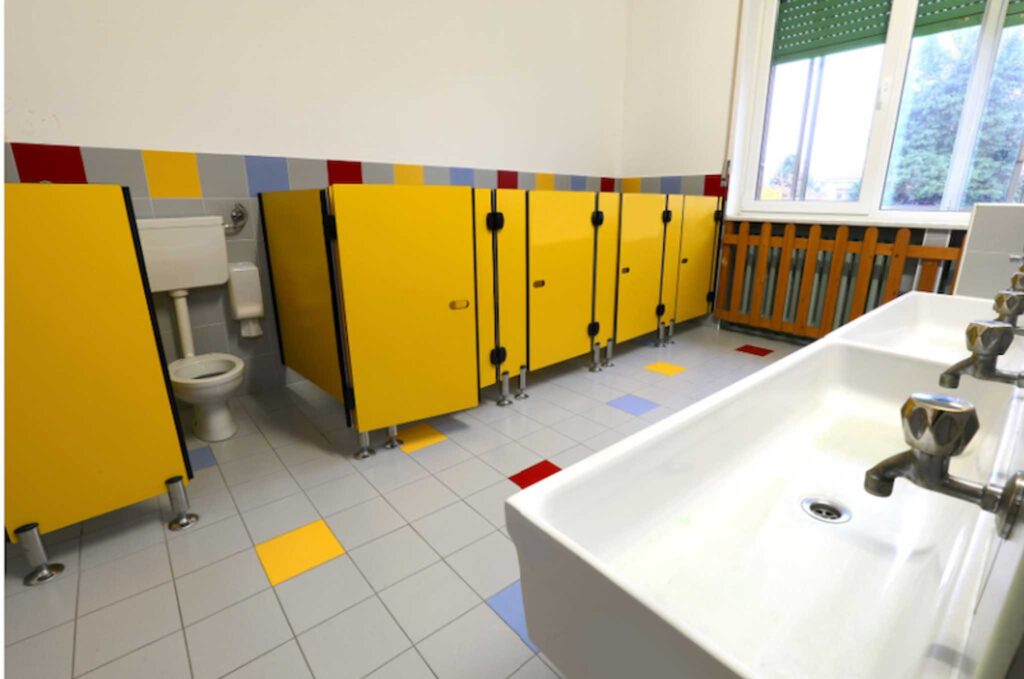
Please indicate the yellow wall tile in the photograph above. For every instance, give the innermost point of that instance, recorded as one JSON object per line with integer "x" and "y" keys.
{"x": 172, "y": 174}
{"x": 545, "y": 181}
{"x": 631, "y": 185}
{"x": 408, "y": 174}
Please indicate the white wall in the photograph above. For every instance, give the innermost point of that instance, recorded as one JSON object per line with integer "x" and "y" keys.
{"x": 524, "y": 84}
{"x": 678, "y": 83}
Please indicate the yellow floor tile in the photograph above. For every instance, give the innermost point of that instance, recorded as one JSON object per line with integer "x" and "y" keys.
{"x": 419, "y": 436}
{"x": 298, "y": 551}
{"x": 663, "y": 368}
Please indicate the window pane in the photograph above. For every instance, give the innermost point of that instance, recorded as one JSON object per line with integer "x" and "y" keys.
{"x": 819, "y": 119}
{"x": 933, "y": 97}
{"x": 1002, "y": 126}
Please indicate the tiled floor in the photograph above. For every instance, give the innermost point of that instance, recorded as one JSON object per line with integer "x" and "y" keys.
{"x": 428, "y": 582}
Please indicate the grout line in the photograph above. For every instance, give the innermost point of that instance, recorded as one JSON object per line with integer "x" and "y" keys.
{"x": 177, "y": 601}
{"x": 145, "y": 645}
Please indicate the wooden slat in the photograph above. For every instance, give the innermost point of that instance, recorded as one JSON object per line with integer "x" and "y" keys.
{"x": 722, "y": 310}
{"x": 835, "y": 275}
{"x": 863, "y": 280}
{"x": 926, "y": 281}
{"x": 739, "y": 272}
{"x": 803, "y": 306}
{"x": 945, "y": 254}
{"x": 897, "y": 263}
{"x": 761, "y": 276}
{"x": 782, "y": 283}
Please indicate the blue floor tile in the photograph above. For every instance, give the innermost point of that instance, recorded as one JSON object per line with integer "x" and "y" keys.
{"x": 634, "y": 405}
{"x": 201, "y": 458}
{"x": 508, "y": 604}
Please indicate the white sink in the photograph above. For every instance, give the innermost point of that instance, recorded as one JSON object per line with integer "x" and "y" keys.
{"x": 684, "y": 551}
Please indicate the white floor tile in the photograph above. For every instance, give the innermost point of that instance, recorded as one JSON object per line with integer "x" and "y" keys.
{"x": 130, "y": 514}
{"x": 40, "y": 608}
{"x": 44, "y": 656}
{"x": 468, "y": 477}
{"x": 579, "y": 428}
{"x": 123, "y": 578}
{"x": 452, "y": 528}
{"x": 251, "y": 467}
{"x": 510, "y": 458}
{"x": 419, "y": 498}
{"x": 239, "y": 447}
{"x": 547, "y": 442}
{"x": 607, "y": 416}
{"x": 534, "y": 669}
{"x": 570, "y": 457}
{"x": 286, "y": 426}
{"x": 488, "y": 565}
{"x": 479, "y": 644}
{"x": 165, "y": 658}
{"x": 633, "y": 427}
{"x": 516, "y": 425}
{"x": 284, "y": 662}
{"x": 306, "y": 450}
{"x": 323, "y": 469}
{"x": 66, "y": 554}
{"x": 113, "y": 543}
{"x": 264, "y": 490}
{"x": 390, "y": 469}
{"x": 279, "y": 517}
{"x": 409, "y": 665}
{"x": 121, "y": 628}
{"x": 542, "y": 410}
{"x": 318, "y": 594}
{"x": 353, "y": 643}
{"x": 365, "y": 522}
{"x": 203, "y": 545}
{"x": 397, "y": 555}
{"x": 490, "y": 502}
{"x": 478, "y": 438}
{"x": 441, "y": 456}
{"x": 428, "y": 600}
{"x": 338, "y": 494}
{"x": 604, "y": 439}
{"x": 233, "y": 637}
{"x": 211, "y": 589}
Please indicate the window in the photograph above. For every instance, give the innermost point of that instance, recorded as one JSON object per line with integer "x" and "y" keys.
{"x": 900, "y": 110}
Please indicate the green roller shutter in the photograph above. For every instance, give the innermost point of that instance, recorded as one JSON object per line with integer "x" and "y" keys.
{"x": 938, "y": 16}
{"x": 1015, "y": 13}
{"x": 814, "y": 28}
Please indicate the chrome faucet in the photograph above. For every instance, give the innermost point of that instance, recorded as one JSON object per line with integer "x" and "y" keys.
{"x": 938, "y": 428}
{"x": 1010, "y": 305}
{"x": 987, "y": 341}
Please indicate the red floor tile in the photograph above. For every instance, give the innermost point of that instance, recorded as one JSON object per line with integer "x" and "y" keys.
{"x": 532, "y": 475}
{"x": 755, "y": 350}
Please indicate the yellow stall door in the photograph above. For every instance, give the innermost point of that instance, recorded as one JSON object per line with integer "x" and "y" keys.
{"x": 640, "y": 257}
{"x": 90, "y": 425}
{"x": 511, "y": 242}
{"x": 696, "y": 256}
{"x": 607, "y": 260}
{"x": 409, "y": 296}
{"x": 561, "y": 255}
{"x": 673, "y": 243}
{"x": 293, "y": 223}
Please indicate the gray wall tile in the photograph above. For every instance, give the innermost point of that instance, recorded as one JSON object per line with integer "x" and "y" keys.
{"x": 378, "y": 173}
{"x": 143, "y": 208}
{"x": 222, "y": 207}
{"x": 116, "y": 166}
{"x": 10, "y": 167}
{"x": 242, "y": 250}
{"x": 485, "y": 179}
{"x": 222, "y": 175}
{"x": 650, "y": 185}
{"x": 178, "y": 207}
{"x": 210, "y": 338}
{"x": 527, "y": 180}
{"x": 437, "y": 176}
{"x": 304, "y": 173}
{"x": 693, "y": 185}
{"x": 563, "y": 182}
{"x": 593, "y": 183}
{"x": 208, "y": 305}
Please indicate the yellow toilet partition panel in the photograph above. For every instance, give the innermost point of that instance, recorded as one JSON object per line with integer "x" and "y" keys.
{"x": 303, "y": 284}
{"x": 90, "y": 421}
{"x": 670, "y": 269}
{"x": 561, "y": 259}
{"x": 508, "y": 244}
{"x": 696, "y": 257}
{"x": 605, "y": 280}
{"x": 640, "y": 264}
{"x": 409, "y": 296}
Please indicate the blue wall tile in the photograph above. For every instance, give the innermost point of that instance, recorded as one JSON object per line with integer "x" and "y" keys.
{"x": 266, "y": 173}
{"x": 578, "y": 183}
{"x": 671, "y": 184}
{"x": 462, "y": 176}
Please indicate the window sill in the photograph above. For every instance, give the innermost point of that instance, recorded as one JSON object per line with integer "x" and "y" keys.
{"x": 957, "y": 221}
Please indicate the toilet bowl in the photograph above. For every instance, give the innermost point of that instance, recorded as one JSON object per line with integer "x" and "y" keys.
{"x": 206, "y": 381}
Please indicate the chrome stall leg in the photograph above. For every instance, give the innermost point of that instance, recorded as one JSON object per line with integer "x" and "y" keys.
{"x": 32, "y": 545}
{"x": 504, "y": 400}
{"x": 393, "y": 440}
{"x": 595, "y": 362}
{"x": 661, "y": 335}
{"x": 521, "y": 387}
{"x": 607, "y": 362}
{"x": 365, "y": 450}
{"x": 671, "y": 331}
{"x": 179, "y": 505}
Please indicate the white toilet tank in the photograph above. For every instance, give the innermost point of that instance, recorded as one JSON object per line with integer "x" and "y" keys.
{"x": 184, "y": 252}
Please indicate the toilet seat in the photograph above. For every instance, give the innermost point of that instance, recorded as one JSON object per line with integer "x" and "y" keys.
{"x": 206, "y": 369}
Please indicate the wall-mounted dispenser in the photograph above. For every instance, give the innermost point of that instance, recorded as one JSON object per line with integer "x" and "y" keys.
{"x": 246, "y": 297}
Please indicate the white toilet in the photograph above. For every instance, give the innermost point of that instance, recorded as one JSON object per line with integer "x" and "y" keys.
{"x": 184, "y": 253}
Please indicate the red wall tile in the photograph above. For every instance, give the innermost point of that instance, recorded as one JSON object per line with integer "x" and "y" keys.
{"x": 713, "y": 185}
{"x": 508, "y": 179}
{"x": 607, "y": 183}
{"x": 45, "y": 162}
{"x": 344, "y": 172}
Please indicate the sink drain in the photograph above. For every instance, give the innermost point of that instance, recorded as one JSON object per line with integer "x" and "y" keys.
{"x": 825, "y": 510}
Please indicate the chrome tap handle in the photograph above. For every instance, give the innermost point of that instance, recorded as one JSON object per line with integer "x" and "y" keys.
{"x": 1017, "y": 280}
{"x": 939, "y": 426}
{"x": 1009, "y": 303}
{"x": 989, "y": 338}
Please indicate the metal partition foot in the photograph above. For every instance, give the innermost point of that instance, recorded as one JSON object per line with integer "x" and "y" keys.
{"x": 365, "y": 450}
{"x": 661, "y": 335}
{"x": 521, "y": 387}
{"x": 607, "y": 362}
{"x": 595, "y": 362}
{"x": 504, "y": 399}
{"x": 179, "y": 505}
{"x": 32, "y": 545}
{"x": 393, "y": 440}
{"x": 671, "y": 331}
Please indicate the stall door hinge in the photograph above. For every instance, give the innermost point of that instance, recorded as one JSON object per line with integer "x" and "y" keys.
{"x": 718, "y": 215}
{"x": 711, "y": 296}
{"x": 593, "y": 328}
{"x": 330, "y": 227}
{"x": 666, "y": 216}
{"x": 495, "y": 221}
{"x": 498, "y": 355}
{"x": 659, "y": 310}
{"x": 597, "y": 218}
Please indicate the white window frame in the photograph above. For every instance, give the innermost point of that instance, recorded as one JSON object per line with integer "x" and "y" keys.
{"x": 756, "y": 36}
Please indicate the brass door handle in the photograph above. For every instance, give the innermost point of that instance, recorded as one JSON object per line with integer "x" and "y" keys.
{"x": 539, "y": 284}
{"x": 458, "y": 304}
